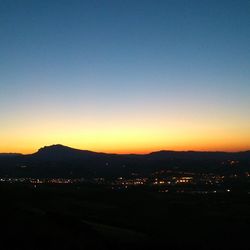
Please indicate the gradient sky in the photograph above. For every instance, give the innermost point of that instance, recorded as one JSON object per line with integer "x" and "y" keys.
{"x": 125, "y": 76}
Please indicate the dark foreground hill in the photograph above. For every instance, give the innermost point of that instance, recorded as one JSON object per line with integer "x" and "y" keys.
{"x": 62, "y": 161}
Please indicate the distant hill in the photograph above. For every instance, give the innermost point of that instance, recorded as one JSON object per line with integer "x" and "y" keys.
{"x": 62, "y": 161}
{"x": 198, "y": 155}
{"x": 9, "y": 154}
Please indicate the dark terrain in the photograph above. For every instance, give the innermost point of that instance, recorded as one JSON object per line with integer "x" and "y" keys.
{"x": 61, "y": 161}
{"x": 87, "y": 215}
{"x": 90, "y": 217}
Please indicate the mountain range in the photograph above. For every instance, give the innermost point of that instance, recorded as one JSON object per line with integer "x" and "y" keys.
{"x": 62, "y": 161}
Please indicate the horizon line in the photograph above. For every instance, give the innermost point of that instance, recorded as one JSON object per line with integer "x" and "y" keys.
{"x": 133, "y": 153}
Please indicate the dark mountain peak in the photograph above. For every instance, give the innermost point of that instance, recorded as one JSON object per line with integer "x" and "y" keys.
{"x": 60, "y": 152}
{"x": 55, "y": 148}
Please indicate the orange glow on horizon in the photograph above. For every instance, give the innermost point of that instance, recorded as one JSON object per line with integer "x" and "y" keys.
{"x": 119, "y": 135}
{"x": 132, "y": 149}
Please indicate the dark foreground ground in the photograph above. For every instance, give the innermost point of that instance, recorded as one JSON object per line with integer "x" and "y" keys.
{"x": 89, "y": 217}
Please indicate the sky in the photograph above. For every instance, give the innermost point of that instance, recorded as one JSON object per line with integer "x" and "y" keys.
{"x": 125, "y": 76}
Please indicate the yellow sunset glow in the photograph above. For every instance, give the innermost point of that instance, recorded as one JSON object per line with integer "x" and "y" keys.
{"x": 127, "y": 137}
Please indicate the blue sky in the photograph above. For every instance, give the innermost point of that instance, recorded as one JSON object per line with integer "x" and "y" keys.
{"x": 129, "y": 62}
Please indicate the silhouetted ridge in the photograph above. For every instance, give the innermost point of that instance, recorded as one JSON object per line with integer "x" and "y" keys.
{"x": 62, "y": 161}
{"x": 10, "y": 155}
{"x": 59, "y": 151}
{"x": 164, "y": 154}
